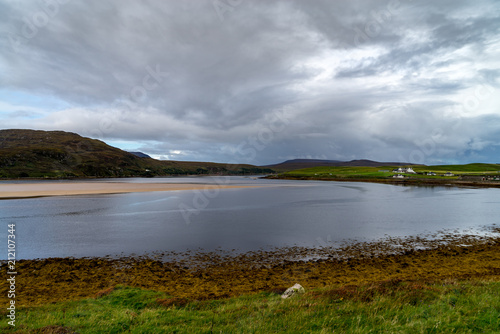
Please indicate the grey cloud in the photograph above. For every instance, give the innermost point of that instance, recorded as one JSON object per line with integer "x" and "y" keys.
{"x": 174, "y": 76}
{"x": 445, "y": 33}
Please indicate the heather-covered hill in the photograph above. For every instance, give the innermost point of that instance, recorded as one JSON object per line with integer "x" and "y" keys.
{"x": 34, "y": 153}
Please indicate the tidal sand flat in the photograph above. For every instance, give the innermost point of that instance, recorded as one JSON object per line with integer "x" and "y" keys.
{"x": 26, "y": 190}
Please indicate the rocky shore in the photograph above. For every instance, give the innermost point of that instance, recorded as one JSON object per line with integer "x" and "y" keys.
{"x": 214, "y": 275}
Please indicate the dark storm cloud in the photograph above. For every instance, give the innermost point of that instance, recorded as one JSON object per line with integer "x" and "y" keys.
{"x": 203, "y": 80}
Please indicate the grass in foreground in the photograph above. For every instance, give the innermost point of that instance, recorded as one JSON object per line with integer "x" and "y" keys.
{"x": 457, "y": 290}
{"x": 385, "y": 307}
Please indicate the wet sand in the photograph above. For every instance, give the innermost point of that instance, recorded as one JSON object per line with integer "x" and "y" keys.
{"x": 26, "y": 190}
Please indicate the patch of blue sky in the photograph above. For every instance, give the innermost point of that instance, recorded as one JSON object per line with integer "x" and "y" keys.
{"x": 124, "y": 145}
{"x": 27, "y": 105}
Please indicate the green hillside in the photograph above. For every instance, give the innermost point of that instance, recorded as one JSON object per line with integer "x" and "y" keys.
{"x": 32, "y": 153}
{"x": 342, "y": 172}
{"x": 386, "y": 171}
{"x": 461, "y": 169}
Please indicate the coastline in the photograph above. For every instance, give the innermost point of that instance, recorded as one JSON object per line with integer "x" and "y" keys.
{"x": 30, "y": 190}
{"x": 448, "y": 284}
{"x": 399, "y": 182}
{"x": 213, "y": 275}
{"x": 33, "y": 190}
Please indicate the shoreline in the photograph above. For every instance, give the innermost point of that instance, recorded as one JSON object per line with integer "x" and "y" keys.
{"x": 33, "y": 190}
{"x": 399, "y": 182}
{"x": 212, "y": 275}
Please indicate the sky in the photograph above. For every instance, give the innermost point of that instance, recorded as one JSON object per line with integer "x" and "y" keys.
{"x": 259, "y": 81}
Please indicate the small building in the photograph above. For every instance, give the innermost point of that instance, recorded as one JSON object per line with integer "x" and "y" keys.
{"x": 431, "y": 174}
{"x": 448, "y": 174}
{"x": 407, "y": 170}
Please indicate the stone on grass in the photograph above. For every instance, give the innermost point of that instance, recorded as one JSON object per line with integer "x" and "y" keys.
{"x": 297, "y": 288}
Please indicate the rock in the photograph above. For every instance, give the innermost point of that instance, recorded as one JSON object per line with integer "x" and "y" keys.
{"x": 297, "y": 288}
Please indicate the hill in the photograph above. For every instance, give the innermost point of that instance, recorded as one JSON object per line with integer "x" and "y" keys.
{"x": 290, "y": 165}
{"x": 140, "y": 154}
{"x": 34, "y": 153}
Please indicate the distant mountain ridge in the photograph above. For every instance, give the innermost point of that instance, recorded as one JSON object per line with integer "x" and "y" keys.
{"x": 38, "y": 154}
{"x": 311, "y": 161}
{"x": 140, "y": 154}
{"x": 308, "y": 163}
{"x": 56, "y": 154}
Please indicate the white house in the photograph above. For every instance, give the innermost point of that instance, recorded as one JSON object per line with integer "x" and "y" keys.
{"x": 407, "y": 170}
{"x": 448, "y": 174}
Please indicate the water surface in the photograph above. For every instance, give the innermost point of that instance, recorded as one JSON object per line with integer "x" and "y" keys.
{"x": 304, "y": 213}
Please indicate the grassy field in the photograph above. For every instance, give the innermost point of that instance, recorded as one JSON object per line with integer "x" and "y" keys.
{"x": 461, "y": 169}
{"x": 343, "y": 172}
{"x": 386, "y": 172}
{"x": 384, "y": 307}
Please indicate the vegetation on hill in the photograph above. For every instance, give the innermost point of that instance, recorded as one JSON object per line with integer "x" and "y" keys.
{"x": 38, "y": 154}
{"x": 475, "y": 168}
{"x": 59, "y": 154}
{"x": 342, "y": 172}
{"x": 386, "y": 172}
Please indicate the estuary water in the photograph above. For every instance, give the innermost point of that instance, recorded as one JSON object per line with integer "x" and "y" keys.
{"x": 283, "y": 213}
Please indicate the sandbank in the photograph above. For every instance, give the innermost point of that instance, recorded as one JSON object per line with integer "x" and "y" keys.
{"x": 26, "y": 190}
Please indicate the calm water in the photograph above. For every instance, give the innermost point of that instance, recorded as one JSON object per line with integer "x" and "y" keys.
{"x": 304, "y": 213}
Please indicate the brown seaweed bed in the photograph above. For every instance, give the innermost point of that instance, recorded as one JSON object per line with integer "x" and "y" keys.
{"x": 200, "y": 275}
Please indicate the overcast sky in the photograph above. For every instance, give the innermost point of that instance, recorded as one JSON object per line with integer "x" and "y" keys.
{"x": 259, "y": 81}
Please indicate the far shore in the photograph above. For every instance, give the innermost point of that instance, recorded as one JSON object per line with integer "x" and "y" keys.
{"x": 30, "y": 190}
{"x": 402, "y": 182}
{"x": 27, "y": 190}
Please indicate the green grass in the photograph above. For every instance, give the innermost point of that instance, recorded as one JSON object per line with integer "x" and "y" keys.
{"x": 341, "y": 172}
{"x": 385, "y": 307}
{"x": 461, "y": 169}
{"x": 386, "y": 171}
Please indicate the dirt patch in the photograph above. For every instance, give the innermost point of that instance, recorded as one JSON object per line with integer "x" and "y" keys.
{"x": 104, "y": 292}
